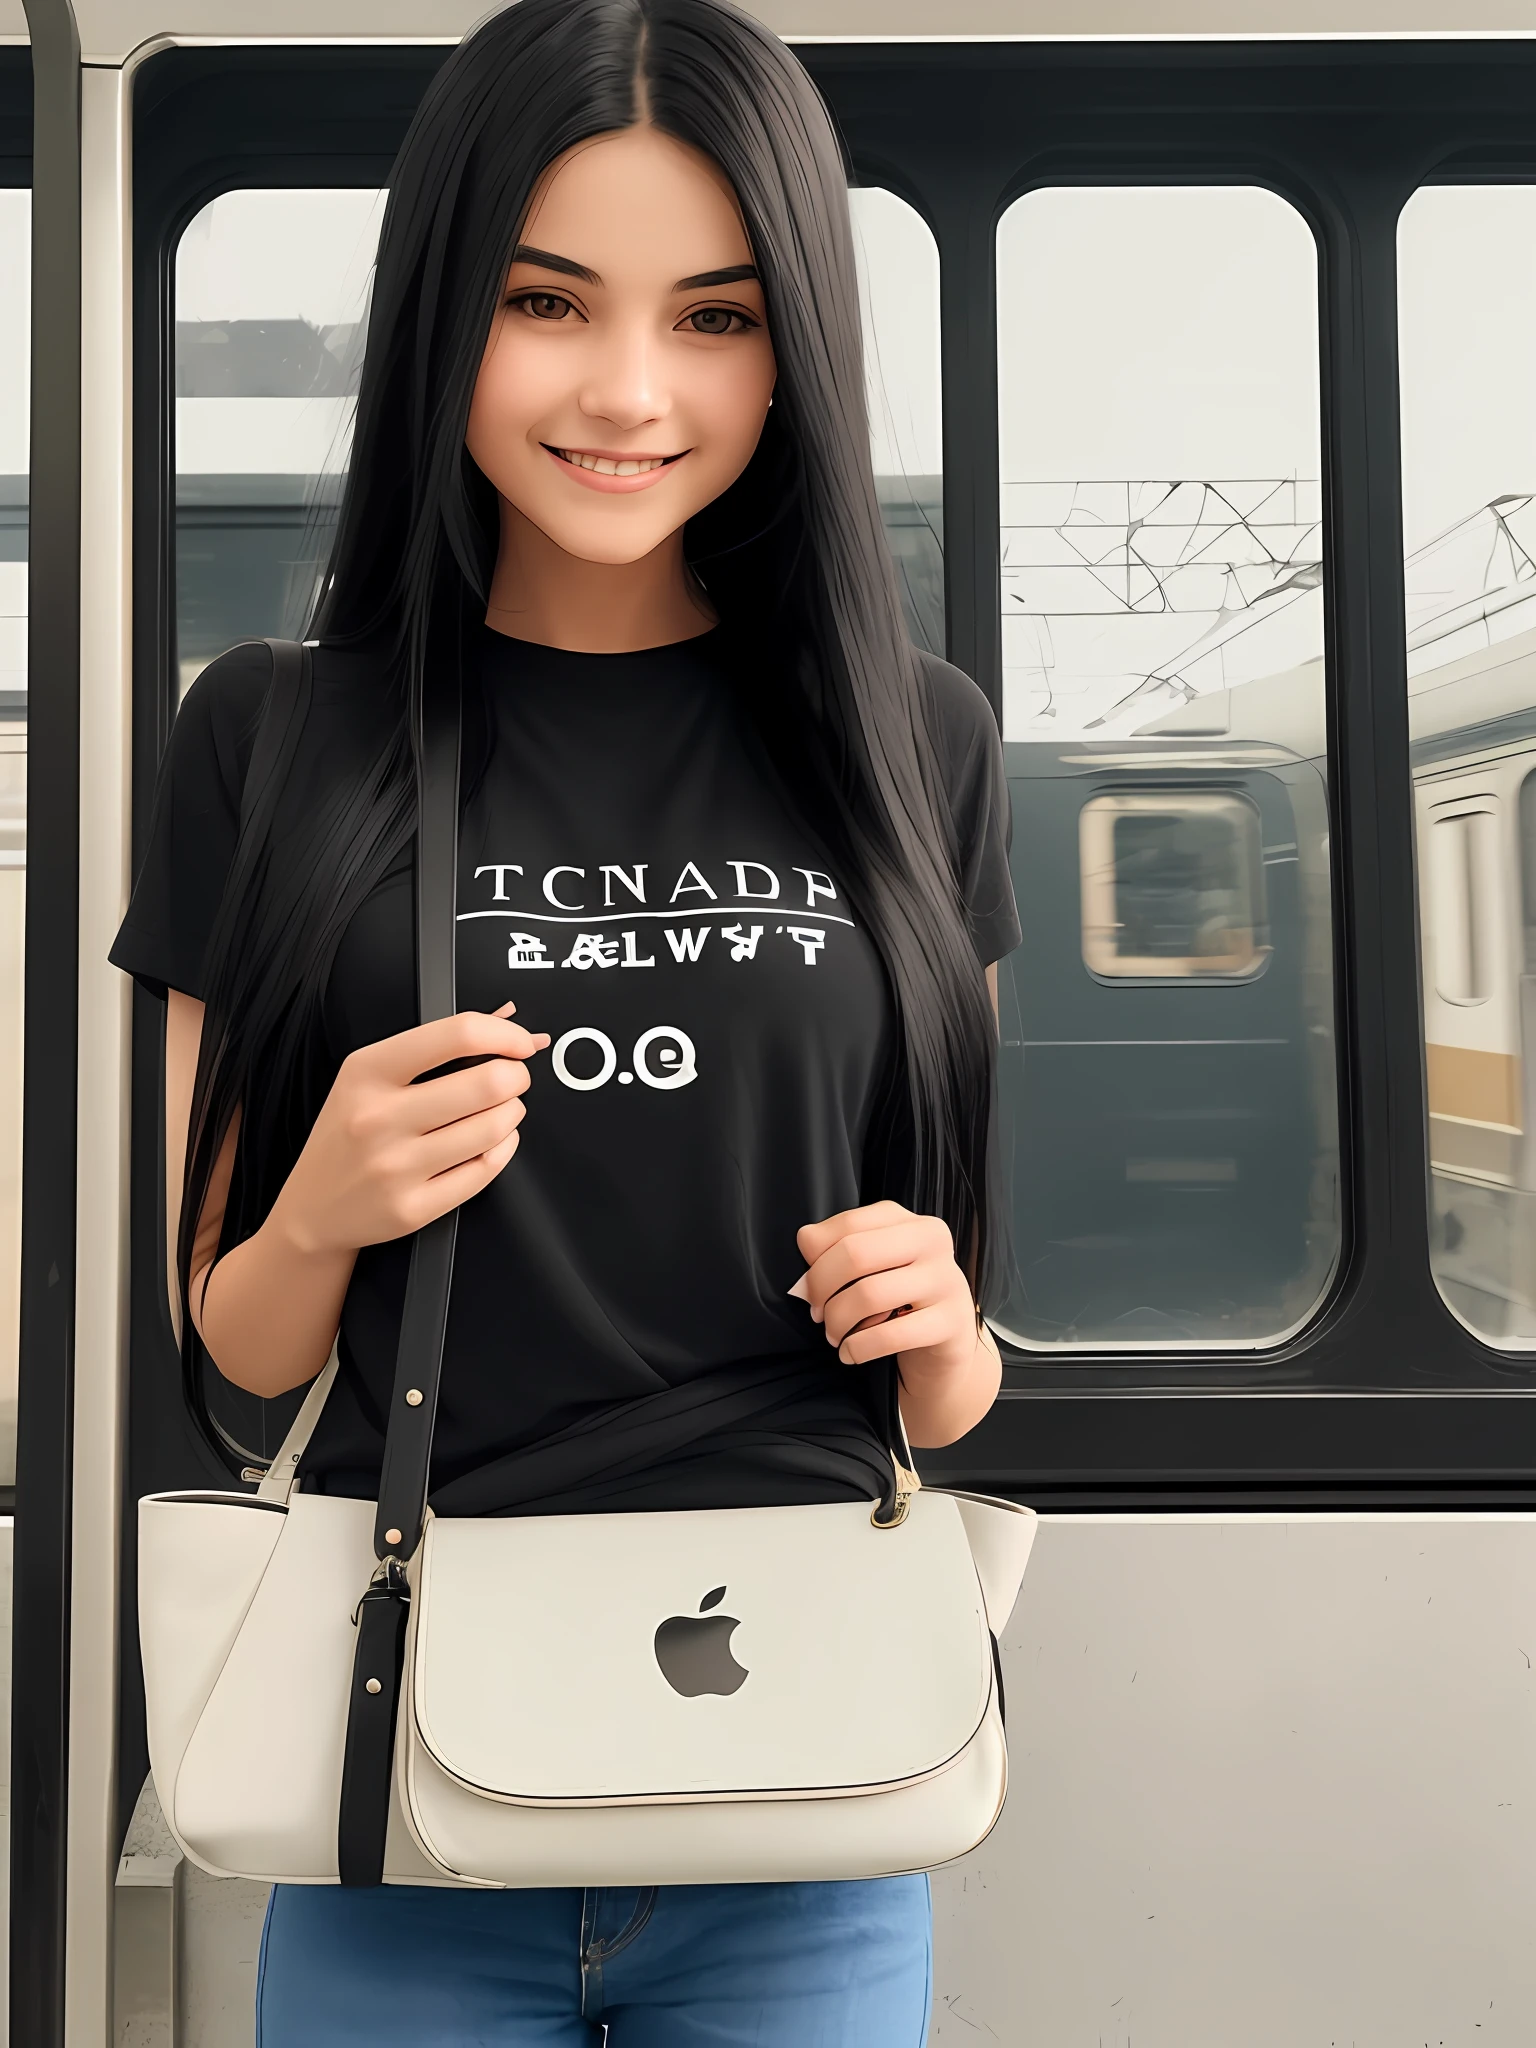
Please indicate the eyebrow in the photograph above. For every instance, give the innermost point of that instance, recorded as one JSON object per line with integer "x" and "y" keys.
{"x": 566, "y": 266}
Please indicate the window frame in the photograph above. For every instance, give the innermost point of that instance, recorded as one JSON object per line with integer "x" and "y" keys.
{"x": 1384, "y": 1398}
{"x": 16, "y": 175}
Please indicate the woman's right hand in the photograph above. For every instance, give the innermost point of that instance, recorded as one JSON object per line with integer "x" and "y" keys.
{"x": 388, "y": 1153}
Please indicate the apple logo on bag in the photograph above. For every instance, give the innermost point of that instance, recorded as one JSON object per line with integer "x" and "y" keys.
{"x": 694, "y": 1650}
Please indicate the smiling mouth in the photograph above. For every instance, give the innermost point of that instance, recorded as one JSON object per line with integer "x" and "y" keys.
{"x": 614, "y": 465}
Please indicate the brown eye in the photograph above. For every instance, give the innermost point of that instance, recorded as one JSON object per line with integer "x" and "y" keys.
{"x": 543, "y": 305}
{"x": 717, "y": 320}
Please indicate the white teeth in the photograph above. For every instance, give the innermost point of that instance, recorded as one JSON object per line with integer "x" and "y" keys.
{"x": 604, "y": 467}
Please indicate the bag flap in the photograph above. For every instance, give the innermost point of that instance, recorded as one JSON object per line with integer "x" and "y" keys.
{"x": 740, "y": 1652}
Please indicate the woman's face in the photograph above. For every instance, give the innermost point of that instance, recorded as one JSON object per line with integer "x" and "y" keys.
{"x": 632, "y": 332}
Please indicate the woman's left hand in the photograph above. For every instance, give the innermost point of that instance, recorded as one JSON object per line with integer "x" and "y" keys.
{"x": 883, "y": 1280}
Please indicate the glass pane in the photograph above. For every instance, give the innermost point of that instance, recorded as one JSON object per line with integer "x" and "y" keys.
{"x": 898, "y": 263}
{"x": 271, "y": 299}
{"x": 1168, "y": 1087}
{"x": 1467, "y": 286}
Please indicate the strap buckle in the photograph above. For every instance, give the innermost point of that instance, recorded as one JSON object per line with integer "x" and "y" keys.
{"x": 389, "y": 1582}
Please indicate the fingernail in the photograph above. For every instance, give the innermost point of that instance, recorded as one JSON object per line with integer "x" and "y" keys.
{"x": 505, "y": 1010}
{"x": 800, "y": 1291}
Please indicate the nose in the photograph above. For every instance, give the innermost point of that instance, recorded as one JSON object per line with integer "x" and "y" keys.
{"x": 623, "y": 385}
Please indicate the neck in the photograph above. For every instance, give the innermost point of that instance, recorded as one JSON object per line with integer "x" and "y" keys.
{"x": 541, "y": 593}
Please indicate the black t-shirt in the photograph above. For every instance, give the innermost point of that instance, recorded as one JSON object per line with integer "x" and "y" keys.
{"x": 722, "y": 1039}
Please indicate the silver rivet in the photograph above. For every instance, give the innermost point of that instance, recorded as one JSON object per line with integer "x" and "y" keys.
{"x": 413, "y": 1397}
{"x": 391, "y": 1535}
{"x": 373, "y": 1685}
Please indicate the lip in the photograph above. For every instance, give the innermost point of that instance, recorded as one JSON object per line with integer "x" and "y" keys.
{"x": 612, "y": 484}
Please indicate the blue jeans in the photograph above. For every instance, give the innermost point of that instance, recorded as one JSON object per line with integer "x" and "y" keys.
{"x": 671, "y": 1966}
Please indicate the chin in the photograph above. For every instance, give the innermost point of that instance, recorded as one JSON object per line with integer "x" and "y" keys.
{"x": 615, "y": 551}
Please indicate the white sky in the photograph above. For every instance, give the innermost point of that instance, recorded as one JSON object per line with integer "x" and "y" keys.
{"x": 1153, "y": 335}
{"x": 266, "y": 255}
{"x": 899, "y": 298}
{"x": 1162, "y": 332}
{"x": 1467, "y": 316}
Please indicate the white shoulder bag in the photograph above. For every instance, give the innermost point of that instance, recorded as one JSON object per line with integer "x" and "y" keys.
{"x": 346, "y": 1692}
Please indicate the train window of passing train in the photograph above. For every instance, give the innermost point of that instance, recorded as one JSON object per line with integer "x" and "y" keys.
{"x": 1464, "y": 887}
{"x": 1467, "y": 303}
{"x": 15, "y": 302}
{"x": 271, "y": 311}
{"x": 1168, "y": 1083}
{"x": 1172, "y": 886}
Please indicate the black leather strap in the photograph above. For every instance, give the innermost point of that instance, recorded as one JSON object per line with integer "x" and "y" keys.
{"x": 378, "y": 1662}
{"x": 372, "y": 1712}
{"x": 424, "y": 1321}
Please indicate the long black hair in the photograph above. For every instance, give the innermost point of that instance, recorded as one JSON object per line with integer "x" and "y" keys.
{"x": 792, "y": 557}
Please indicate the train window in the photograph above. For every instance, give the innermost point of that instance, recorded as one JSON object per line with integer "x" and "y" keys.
{"x": 1467, "y": 300}
{"x": 15, "y": 302}
{"x": 1464, "y": 889}
{"x": 270, "y": 311}
{"x": 1172, "y": 885}
{"x": 1168, "y": 1083}
{"x": 898, "y": 262}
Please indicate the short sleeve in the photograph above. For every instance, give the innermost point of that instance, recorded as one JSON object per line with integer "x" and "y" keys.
{"x": 163, "y": 940}
{"x": 970, "y": 752}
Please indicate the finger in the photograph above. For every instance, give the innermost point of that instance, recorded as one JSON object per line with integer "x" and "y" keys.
{"x": 471, "y": 1034}
{"x": 438, "y": 1151}
{"x": 915, "y": 1332}
{"x": 867, "y": 1251}
{"x": 432, "y": 1104}
{"x": 917, "y": 1287}
{"x": 816, "y": 1238}
{"x": 499, "y": 1155}
{"x": 450, "y": 1190}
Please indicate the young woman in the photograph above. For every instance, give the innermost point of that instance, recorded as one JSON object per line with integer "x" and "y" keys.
{"x": 733, "y": 867}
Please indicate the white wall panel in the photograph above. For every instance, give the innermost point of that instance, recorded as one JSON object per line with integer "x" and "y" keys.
{"x": 1274, "y": 1786}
